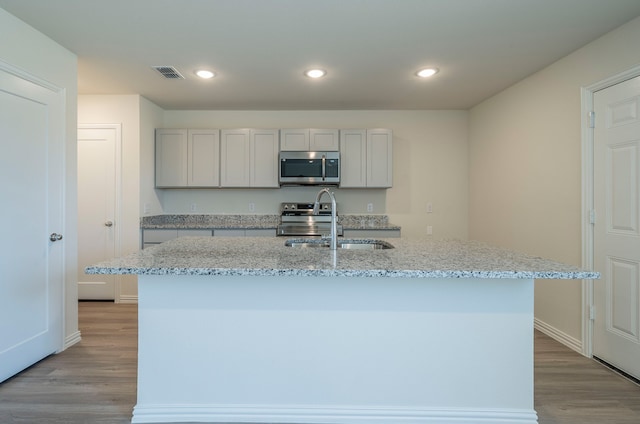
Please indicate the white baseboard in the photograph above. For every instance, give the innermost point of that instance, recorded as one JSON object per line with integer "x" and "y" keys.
{"x": 72, "y": 339}
{"x": 324, "y": 414}
{"x": 560, "y": 336}
{"x": 128, "y": 298}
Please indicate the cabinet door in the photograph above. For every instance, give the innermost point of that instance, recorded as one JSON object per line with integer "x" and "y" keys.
{"x": 294, "y": 140}
{"x": 229, "y": 232}
{"x": 264, "y": 158}
{"x": 260, "y": 232}
{"x": 353, "y": 158}
{"x": 379, "y": 158}
{"x": 190, "y": 232}
{"x": 158, "y": 236}
{"x": 372, "y": 233}
{"x": 324, "y": 140}
{"x": 204, "y": 158}
{"x": 171, "y": 157}
{"x": 234, "y": 158}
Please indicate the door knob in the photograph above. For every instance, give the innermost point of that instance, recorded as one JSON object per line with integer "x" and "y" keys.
{"x": 55, "y": 237}
{"x": 108, "y": 224}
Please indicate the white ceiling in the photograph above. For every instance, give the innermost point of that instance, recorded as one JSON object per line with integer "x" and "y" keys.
{"x": 370, "y": 48}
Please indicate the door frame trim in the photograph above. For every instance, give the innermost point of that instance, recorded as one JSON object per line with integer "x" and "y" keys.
{"x": 587, "y": 135}
{"x": 118, "y": 195}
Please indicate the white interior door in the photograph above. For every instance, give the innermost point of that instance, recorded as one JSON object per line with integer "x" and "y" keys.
{"x": 616, "y": 334}
{"x": 98, "y": 234}
{"x": 32, "y": 251}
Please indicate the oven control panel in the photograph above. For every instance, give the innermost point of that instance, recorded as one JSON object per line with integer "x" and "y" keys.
{"x": 303, "y": 208}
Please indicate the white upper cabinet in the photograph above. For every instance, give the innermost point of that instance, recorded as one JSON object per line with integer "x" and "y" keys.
{"x": 353, "y": 158}
{"x": 294, "y": 139}
{"x": 187, "y": 158}
{"x": 379, "y": 158}
{"x": 203, "y": 165}
{"x": 309, "y": 140}
{"x": 366, "y": 158}
{"x": 264, "y": 158}
{"x": 324, "y": 140}
{"x": 234, "y": 158}
{"x": 249, "y": 158}
{"x": 171, "y": 158}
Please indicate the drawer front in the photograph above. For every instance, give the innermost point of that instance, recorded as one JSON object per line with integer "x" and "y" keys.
{"x": 158, "y": 236}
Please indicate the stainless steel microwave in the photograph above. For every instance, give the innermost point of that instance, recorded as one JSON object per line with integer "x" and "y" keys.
{"x": 309, "y": 168}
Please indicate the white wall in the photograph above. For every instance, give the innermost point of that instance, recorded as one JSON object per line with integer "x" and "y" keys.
{"x": 151, "y": 117}
{"x": 38, "y": 55}
{"x": 525, "y": 166}
{"x": 429, "y": 159}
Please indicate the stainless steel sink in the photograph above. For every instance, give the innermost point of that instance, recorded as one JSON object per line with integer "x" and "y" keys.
{"x": 359, "y": 244}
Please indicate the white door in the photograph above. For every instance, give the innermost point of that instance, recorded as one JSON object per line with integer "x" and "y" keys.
{"x": 32, "y": 249}
{"x": 616, "y": 337}
{"x": 97, "y": 197}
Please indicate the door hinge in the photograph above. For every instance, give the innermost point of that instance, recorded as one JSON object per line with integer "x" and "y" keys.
{"x": 592, "y": 216}
{"x": 592, "y": 119}
{"x": 592, "y": 312}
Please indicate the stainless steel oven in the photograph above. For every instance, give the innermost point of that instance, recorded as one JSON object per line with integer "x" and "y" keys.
{"x": 309, "y": 168}
{"x": 297, "y": 219}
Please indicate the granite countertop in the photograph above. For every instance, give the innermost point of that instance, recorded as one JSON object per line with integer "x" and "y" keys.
{"x": 255, "y": 221}
{"x": 260, "y": 256}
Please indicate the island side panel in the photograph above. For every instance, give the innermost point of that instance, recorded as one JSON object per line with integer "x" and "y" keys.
{"x": 334, "y": 350}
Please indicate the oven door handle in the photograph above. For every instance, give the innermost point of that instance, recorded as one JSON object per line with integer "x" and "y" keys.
{"x": 324, "y": 167}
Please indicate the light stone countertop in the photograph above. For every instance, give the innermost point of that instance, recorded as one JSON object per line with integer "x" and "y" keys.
{"x": 265, "y": 256}
{"x": 254, "y": 221}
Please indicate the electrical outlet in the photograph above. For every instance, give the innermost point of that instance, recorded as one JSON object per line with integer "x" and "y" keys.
{"x": 429, "y": 230}
{"x": 194, "y": 207}
{"x": 252, "y": 207}
{"x": 369, "y": 207}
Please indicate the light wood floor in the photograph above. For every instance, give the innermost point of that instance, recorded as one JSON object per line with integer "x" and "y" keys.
{"x": 95, "y": 380}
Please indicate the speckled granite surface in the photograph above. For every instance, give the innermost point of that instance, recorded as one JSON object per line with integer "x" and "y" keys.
{"x": 225, "y": 221}
{"x": 270, "y": 257}
{"x": 233, "y": 221}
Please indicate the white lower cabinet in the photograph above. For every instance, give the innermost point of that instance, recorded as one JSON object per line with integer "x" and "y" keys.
{"x": 249, "y": 158}
{"x": 238, "y": 232}
{"x": 229, "y": 232}
{"x": 371, "y": 233}
{"x": 151, "y": 237}
{"x": 366, "y": 158}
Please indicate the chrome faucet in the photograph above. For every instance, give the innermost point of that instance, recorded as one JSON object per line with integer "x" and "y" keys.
{"x": 334, "y": 219}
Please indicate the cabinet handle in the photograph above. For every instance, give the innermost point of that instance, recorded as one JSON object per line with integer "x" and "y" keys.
{"x": 324, "y": 167}
{"x": 55, "y": 237}
{"x": 108, "y": 224}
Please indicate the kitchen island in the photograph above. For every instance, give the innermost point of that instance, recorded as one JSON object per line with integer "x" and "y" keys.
{"x": 249, "y": 330}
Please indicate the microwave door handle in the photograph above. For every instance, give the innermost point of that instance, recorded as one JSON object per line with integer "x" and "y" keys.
{"x": 324, "y": 169}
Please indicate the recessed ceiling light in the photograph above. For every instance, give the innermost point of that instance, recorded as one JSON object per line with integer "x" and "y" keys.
{"x": 315, "y": 73}
{"x": 427, "y": 72}
{"x": 204, "y": 74}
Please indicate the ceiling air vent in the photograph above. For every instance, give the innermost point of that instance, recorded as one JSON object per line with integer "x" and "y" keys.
{"x": 168, "y": 72}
